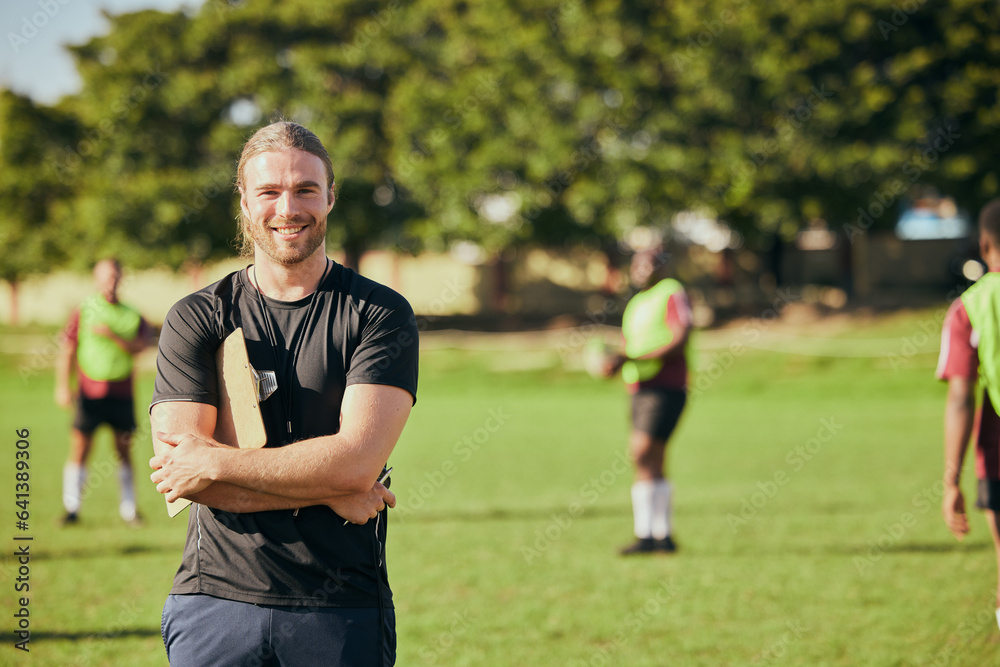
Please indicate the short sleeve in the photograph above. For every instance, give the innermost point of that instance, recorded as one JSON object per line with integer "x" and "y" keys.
{"x": 389, "y": 344}
{"x": 959, "y": 357}
{"x": 678, "y": 311}
{"x": 185, "y": 360}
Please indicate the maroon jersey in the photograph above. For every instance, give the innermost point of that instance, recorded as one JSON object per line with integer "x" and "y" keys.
{"x": 674, "y": 374}
{"x": 959, "y": 358}
{"x": 90, "y": 388}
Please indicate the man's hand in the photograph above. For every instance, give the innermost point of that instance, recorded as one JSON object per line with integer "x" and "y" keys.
{"x": 360, "y": 507}
{"x": 103, "y": 330}
{"x": 953, "y": 507}
{"x": 612, "y": 363}
{"x": 186, "y": 468}
{"x": 134, "y": 346}
{"x": 64, "y": 397}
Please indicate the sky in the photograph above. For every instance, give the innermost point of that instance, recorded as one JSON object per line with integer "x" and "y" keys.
{"x": 33, "y": 60}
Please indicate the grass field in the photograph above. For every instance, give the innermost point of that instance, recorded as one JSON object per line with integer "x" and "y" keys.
{"x": 807, "y": 514}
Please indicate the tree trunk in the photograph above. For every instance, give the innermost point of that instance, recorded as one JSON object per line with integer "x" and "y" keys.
{"x": 15, "y": 315}
{"x": 352, "y": 257}
{"x": 861, "y": 279}
{"x": 612, "y": 274}
{"x": 500, "y": 284}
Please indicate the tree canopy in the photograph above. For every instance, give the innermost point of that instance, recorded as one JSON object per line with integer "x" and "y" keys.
{"x": 504, "y": 123}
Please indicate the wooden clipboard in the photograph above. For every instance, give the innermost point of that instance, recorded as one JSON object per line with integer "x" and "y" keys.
{"x": 239, "y": 422}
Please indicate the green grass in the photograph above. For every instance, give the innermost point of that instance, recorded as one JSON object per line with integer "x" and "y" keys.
{"x": 807, "y": 513}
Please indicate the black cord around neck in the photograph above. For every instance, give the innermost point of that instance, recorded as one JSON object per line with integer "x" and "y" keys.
{"x": 286, "y": 389}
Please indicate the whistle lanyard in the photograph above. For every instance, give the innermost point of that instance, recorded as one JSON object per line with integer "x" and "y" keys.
{"x": 286, "y": 389}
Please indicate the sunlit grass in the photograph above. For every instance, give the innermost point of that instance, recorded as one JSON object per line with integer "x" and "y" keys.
{"x": 807, "y": 512}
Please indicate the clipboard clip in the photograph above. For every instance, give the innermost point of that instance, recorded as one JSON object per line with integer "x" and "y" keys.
{"x": 265, "y": 383}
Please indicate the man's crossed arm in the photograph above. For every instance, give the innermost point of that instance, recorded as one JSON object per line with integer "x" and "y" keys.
{"x": 339, "y": 471}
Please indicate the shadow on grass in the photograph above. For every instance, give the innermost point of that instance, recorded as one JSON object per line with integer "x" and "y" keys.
{"x": 542, "y": 513}
{"x": 502, "y": 514}
{"x": 916, "y": 548}
{"x": 104, "y": 551}
{"x": 940, "y": 547}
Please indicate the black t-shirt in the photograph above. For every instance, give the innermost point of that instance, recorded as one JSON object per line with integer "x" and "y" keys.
{"x": 352, "y": 330}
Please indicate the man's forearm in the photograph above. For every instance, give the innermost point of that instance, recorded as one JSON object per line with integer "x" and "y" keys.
{"x": 231, "y": 498}
{"x": 134, "y": 346}
{"x": 672, "y": 348}
{"x": 323, "y": 467}
{"x": 64, "y": 368}
{"x": 345, "y": 463}
{"x": 958, "y": 420}
{"x": 302, "y": 471}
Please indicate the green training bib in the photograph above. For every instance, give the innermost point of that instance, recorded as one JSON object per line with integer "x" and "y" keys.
{"x": 644, "y": 326}
{"x": 982, "y": 303}
{"x": 98, "y": 356}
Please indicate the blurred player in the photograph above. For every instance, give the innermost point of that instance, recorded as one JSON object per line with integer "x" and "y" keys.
{"x": 655, "y": 328}
{"x": 100, "y": 341}
{"x": 970, "y": 348}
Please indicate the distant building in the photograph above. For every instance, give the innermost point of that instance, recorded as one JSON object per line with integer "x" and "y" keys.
{"x": 933, "y": 218}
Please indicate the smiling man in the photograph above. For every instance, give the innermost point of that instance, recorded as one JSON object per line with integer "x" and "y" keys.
{"x": 285, "y": 556}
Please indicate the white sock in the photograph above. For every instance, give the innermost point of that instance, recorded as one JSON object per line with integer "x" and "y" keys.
{"x": 998, "y": 616}
{"x": 74, "y": 477}
{"x": 126, "y": 508}
{"x": 642, "y": 504}
{"x": 661, "y": 508}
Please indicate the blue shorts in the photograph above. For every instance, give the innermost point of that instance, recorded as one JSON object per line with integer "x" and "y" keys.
{"x": 201, "y": 631}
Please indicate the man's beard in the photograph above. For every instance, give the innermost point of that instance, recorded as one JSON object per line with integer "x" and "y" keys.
{"x": 263, "y": 238}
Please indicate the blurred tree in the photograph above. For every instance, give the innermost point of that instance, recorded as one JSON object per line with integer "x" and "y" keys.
{"x": 837, "y": 110}
{"x": 33, "y": 238}
{"x": 167, "y": 121}
{"x": 155, "y": 189}
{"x": 918, "y": 108}
{"x": 473, "y": 137}
{"x": 551, "y": 122}
{"x": 330, "y": 67}
{"x": 641, "y": 128}
{"x": 497, "y": 135}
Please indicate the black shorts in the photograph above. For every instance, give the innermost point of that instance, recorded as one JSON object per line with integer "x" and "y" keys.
{"x": 118, "y": 413}
{"x": 988, "y": 495}
{"x": 657, "y": 411}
